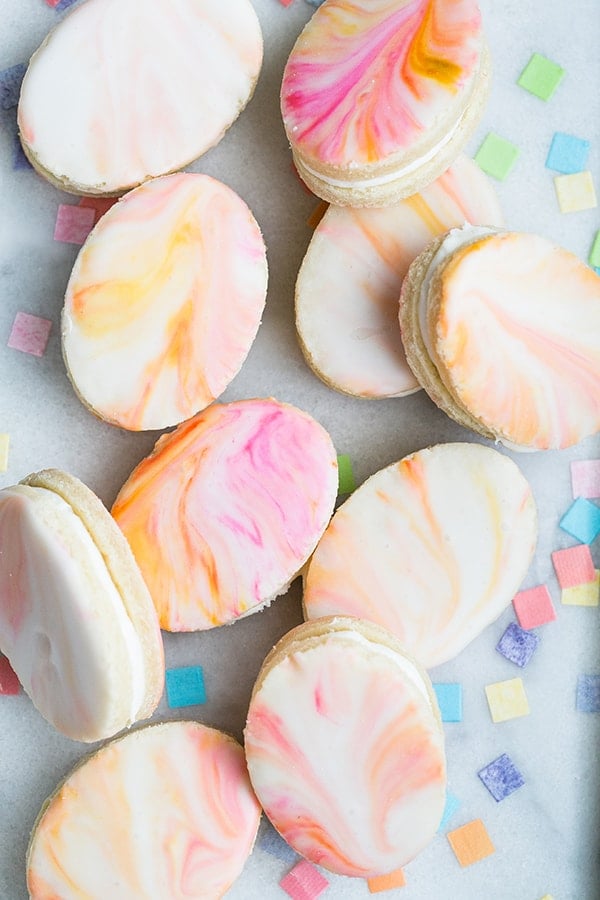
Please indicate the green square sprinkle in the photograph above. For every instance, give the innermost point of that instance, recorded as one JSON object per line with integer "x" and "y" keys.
{"x": 541, "y": 76}
{"x": 496, "y": 156}
{"x": 346, "y": 483}
{"x": 594, "y": 257}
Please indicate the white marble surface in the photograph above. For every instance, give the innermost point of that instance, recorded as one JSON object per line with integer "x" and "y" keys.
{"x": 545, "y": 833}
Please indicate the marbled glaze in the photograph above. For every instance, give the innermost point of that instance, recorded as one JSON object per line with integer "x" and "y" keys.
{"x": 348, "y": 288}
{"x": 165, "y": 812}
{"x": 433, "y": 548}
{"x": 227, "y": 509}
{"x": 367, "y": 78}
{"x": 164, "y": 301}
{"x": 122, "y": 91}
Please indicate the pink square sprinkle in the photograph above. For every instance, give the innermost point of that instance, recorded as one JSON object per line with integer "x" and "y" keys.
{"x": 585, "y": 478}
{"x": 304, "y": 882}
{"x": 29, "y": 334}
{"x": 574, "y": 565}
{"x": 100, "y": 205}
{"x": 286, "y": 2}
{"x": 9, "y": 683}
{"x": 534, "y": 607}
{"x": 52, "y": 3}
{"x": 73, "y": 223}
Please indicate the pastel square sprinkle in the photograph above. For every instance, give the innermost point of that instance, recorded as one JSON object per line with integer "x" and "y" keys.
{"x": 588, "y": 693}
{"x": 518, "y": 645}
{"x": 541, "y": 76}
{"x": 286, "y": 2}
{"x": 73, "y": 223}
{"x": 63, "y": 4}
{"x": 582, "y": 594}
{"x": 585, "y": 473}
{"x": 4, "y": 444}
{"x": 100, "y": 205}
{"x": 29, "y": 334}
{"x": 582, "y": 520}
{"x": 501, "y": 777}
{"x": 20, "y": 161}
{"x": 9, "y": 683}
{"x": 567, "y": 154}
{"x": 271, "y": 842}
{"x": 471, "y": 842}
{"x": 449, "y": 698}
{"x": 10, "y": 85}
{"x": 575, "y": 192}
{"x": 380, "y": 883}
{"x": 507, "y": 700}
{"x": 304, "y": 882}
{"x": 594, "y": 257}
{"x": 533, "y": 607}
{"x": 452, "y": 805}
{"x": 547, "y": 897}
{"x": 496, "y": 156}
{"x": 185, "y": 686}
{"x": 346, "y": 482}
{"x": 574, "y": 565}
{"x": 52, "y": 3}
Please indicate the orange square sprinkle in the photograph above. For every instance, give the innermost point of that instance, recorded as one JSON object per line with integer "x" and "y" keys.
{"x": 471, "y": 842}
{"x": 386, "y": 882}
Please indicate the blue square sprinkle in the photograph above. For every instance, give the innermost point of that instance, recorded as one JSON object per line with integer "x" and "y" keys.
{"x": 452, "y": 805}
{"x": 582, "y": 520}
{"x": 588, "y": 693}
{"x": 185, "y": 686}
{"x": 449, "y": 698}
{"x": 271, "y": 842}
{"x": 64, "y": 4}
{"x": 518, "y": 645}
{"x": 501, "y": 777}
{"x": 567, "y": 154}
{"x": 10, "y": 85}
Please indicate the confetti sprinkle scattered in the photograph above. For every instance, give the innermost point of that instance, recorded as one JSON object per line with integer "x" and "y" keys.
{"x": 185, "y": 686}
{"x": 547, "y": 897}
{"x": 29, "y": 334}
{"x": 567, "y": 154}
{"x": 496, "y": 156}
{"x": 52, "y": 3}
{"x": 575, "y": 192}
{"x": 582, "y": 520}
{"x": 449, "y": 698}
{"x": 507, "y": 700}
{"x": 573, "y": 566}
{"x": 582, "y": 594}
{"x": 594, "y": 260}
{"x": 20, "y": 161}
{"x": 100, "y": 205}
{"x": 4, "y": 442}
{"x": 386, "y": 882}
{"x": 452, "y": 805}
{"x": 304, "y": 882}
{"x": 10, "y": 85}
{"x": 286, "y": 2}
{"x": 501, "y": 777}
{"x": 588, "y": 693}
{"x": 533, "y": 607}
{"x": 317, "y": 214}
{"x": 471, "y": 842}
{"x": 272, "y": 842}
{"x": 346, "y": 482}
{"x": 585, "y": 473}
{"x": 9, "y": 683}
{"x": 73, "y": 223}
{"x": 517, "y": 645}
{"x": 541, "y": 76}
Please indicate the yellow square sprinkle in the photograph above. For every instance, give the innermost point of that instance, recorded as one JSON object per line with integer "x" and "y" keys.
{"x": 575, "y": 192}
{"x": 547, "y": 897}
{"x": 507, "y": 700}
{"x": 4, "y": 442}
{"x": 582, "y": 594}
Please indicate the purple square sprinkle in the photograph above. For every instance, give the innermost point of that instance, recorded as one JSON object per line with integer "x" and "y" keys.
{"x": 10, "y": 85}
{"x": 271, "y": 842}
{"x": 29, "y": 334}
{"x": 20, "y": 161}
{"x": 517, "y": 645}
{"x": 588, "y": 693}
{"x": 501, "y": 777}
{"x": 64, "y": 4}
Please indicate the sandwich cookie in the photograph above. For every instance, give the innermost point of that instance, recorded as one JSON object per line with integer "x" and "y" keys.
{"x": 348, "y": 287}
{"x": 76, "y": 620}
{"x": 224, "y": 513}
{"x": 122, "y": 91}
{"x": 379, "y": 96}
{"x": 345, "y": 747}
{"x": 166, "y": 811}
{"x": 503, "y": 332}
{"x": 164, "y": 301}
{"x": 433, "y": 547}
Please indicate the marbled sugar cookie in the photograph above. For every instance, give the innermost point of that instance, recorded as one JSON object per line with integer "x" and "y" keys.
{"x": 503, "y": 331}
{"x": 227, "y": 509}
{"x": 433, "y": 547}
{"x": 76, "y": 620}
{"x": 348, "y": 287}
{"x": 164, "y": 302}
{"x": 165, "y": 812}
{"x": 345, "y": 747}
{"x": 122, "y": 91}
{"x": 379, "y": 96}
